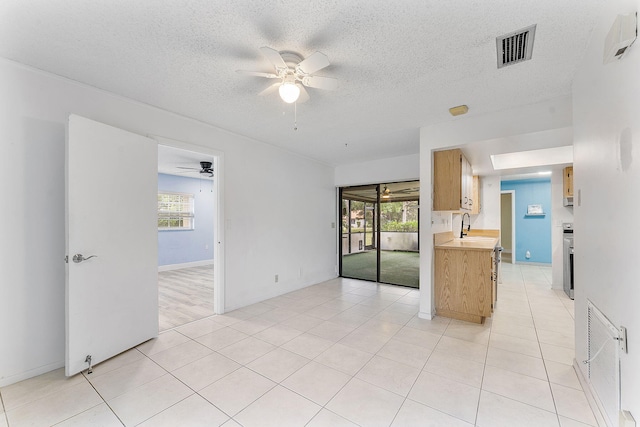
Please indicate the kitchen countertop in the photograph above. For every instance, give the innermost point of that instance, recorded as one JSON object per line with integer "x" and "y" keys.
{"x": 470, "y": 242}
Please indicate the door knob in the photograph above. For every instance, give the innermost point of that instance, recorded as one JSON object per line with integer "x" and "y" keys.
{"x": 78, "y": 258}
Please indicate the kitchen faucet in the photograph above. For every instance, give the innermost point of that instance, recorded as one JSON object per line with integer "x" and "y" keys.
{"x": 462, "y": 233}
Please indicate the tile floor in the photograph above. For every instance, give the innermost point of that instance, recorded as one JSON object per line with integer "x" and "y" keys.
{"x": 340, "y": 353}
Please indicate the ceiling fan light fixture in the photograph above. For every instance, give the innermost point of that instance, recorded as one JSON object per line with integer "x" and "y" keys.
{"x": 289, "y": 92}
{"x": 386, "y": 193}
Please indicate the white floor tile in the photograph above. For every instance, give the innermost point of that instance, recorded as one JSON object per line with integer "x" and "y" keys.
{"x": 515, "y": 344}
{"x": 27, "y": 391}
{"x": 343, "y": 358}
{"x": 316, "y": 382}
{"x": 164, "y": 341}
{"x": 205, "y": 371}
{"x": 557, "y": 354}
{"x": 100, "y": 415}
{"x": 478, "y": 334}
{"x": 572, "y": 403}
{"x": 252, "y": 325}
{"x": 149, "y": 399}
{"x": 461, "y": 348}
{"x": 126, "y": 378}
{"x": 194, "y": 411}
{"x": 451, "y": 397}
{"x": 180, "y": 355}
{"x": 568, "y": 422}
{"x": 498, "y": 411}
{"x": 409, "y": 354}
{"x": 365, "y": 404}
{"x": 278, "y": 334}
{"x": 418, "y": 337}
{"x": 279, "y": 407}
{"x": 116, "y": 362}
{"x": 307, "y": 345}
{"x": 561, "y": 339}
{"x": 522, "y": 388}
{"x": 414, "y": 414}
{"x": 389, "y": 374}
{"x": 517, "y": 362}
{"x": 56, "y": 407}
{"x": 455, "y": 368}
{"x": 237, "y": 390}
{"x": 331, "y": 331}
{"x": 326, "y": 418}
{"x": 247, "y": 350}
{"x": 221, "y": 338}
{"x": 278, "y": 364}
{"x": 562, "y": 374}
{"x": 199, "y": 328}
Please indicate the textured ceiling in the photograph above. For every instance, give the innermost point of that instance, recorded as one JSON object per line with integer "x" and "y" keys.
{"x": 400, "y": 64}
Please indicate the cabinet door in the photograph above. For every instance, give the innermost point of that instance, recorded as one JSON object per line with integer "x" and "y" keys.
{"x": 475, "y": 196}
{"x": 447, "y": 180}
{"x": 567, "y": 180}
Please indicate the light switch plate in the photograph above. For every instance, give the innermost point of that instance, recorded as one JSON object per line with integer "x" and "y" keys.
{"x": 622, "y": 340}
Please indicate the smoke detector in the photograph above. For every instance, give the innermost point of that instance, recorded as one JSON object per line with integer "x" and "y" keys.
{"x": 515, "y": 47}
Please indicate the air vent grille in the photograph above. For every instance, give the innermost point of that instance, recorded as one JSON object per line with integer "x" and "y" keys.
{"x": 515, "y": 47}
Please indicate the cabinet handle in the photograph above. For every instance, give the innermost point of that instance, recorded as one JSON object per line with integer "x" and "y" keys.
{"x": 470, "y": 202}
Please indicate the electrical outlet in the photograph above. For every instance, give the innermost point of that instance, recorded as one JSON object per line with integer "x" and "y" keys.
{"x": 276, "y": 278}
{"x": 206, "y": 247}
{"x": 333, "y": 225}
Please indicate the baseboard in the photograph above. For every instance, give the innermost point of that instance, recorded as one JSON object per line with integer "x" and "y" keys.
{"x": 185, "y": 265}
{"x": 424, "y": 315}
{"x": 30, "y": 374}
{"x": 588, "y": 392}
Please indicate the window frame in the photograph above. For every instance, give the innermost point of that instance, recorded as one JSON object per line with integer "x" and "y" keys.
{"x": 185, "y": 213}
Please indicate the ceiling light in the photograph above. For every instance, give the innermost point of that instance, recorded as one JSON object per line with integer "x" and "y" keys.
{"x": 459, "y": 110}
{"x": 527, "y": 159}
{"x": 289, "y": 92}
{"x": 386, "y": 193}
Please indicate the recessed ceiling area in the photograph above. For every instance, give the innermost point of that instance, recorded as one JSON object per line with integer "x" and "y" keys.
{"x": 399, "y": 65}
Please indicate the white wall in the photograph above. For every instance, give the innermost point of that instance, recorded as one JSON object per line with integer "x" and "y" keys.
{"x": 265, "y": 190}
{"x": 559, "y": 215}
{"x": 395, "y": 169}
{"x": 606, "y": 106}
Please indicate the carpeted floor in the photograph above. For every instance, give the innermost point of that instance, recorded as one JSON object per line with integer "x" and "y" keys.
{"x": 396, "y": 267}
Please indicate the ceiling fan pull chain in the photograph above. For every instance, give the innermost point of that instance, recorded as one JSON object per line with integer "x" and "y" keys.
{"x": 295, "y": 116}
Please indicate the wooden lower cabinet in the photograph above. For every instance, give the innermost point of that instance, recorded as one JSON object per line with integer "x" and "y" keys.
{"x": 464, "y": 284}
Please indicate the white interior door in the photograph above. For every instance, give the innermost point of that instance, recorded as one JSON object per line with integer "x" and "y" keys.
{"x": 111, "y": 213}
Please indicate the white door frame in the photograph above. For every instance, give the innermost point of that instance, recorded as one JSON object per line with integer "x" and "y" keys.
{"x": 513, "y": 223}
{"x": 218, "y": 221}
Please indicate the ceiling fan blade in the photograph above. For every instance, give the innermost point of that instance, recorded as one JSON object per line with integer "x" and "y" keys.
{"x": 270, "y": 89}
{"x": 319, "y": 82}
{"x": 274, "y": 57}
{"x": 182, "y": 167}
{"x": 257, "y": 74}
{"x": 317, "y": 61}
{"x": 304, "y": 95}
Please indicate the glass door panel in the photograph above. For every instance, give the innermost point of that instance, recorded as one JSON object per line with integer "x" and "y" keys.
{"x": 359, "y": 233}
{"x": 399, "y": 250}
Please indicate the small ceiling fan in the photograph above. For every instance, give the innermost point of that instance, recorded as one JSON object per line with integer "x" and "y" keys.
{"x": 294, "y": 73}
{"x": 205, "y": 168}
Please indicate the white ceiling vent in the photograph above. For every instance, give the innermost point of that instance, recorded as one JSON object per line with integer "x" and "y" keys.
{"x": 515, "y": 47}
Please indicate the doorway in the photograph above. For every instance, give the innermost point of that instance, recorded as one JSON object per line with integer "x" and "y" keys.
{"x": 379, "y": 233}
{"x": 187, "y": 240}
{"x": 507, "y": 225}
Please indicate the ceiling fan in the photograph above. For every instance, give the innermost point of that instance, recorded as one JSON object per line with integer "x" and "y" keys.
{"x": 205, "y": 168}
{"x": 294, "y": 73}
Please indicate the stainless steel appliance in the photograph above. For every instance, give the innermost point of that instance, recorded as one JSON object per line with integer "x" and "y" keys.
{"x": 567, "y": 246}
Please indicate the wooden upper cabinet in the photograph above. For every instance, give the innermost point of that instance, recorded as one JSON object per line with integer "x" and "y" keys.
{"x": 567, "y": 180}
{"x": 475, "y": 196}
{"x": 452, "y": 181}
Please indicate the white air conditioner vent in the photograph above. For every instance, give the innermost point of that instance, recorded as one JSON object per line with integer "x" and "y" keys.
{"x": 515, "y": 47}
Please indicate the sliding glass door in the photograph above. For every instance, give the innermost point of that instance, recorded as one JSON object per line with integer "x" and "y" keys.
{"x": 379, "y": 233}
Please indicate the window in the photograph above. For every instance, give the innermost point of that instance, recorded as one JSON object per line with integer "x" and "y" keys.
{"x": 175, "y": 211}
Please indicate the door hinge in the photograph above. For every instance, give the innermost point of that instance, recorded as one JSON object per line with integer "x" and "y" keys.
{"x": 66, "y": 259}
